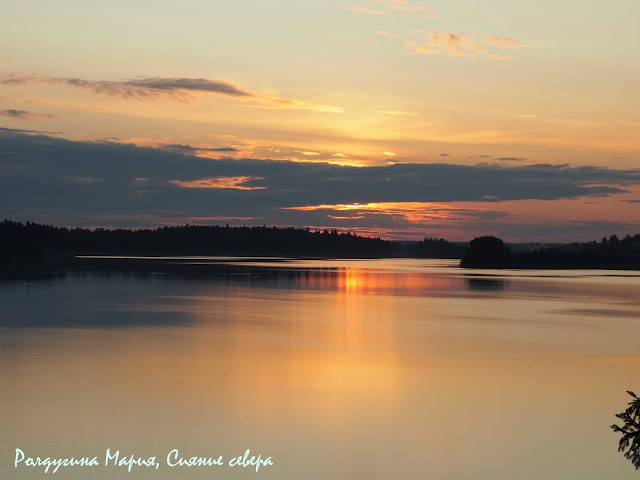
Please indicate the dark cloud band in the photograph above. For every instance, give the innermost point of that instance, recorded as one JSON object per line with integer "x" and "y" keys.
{"x": 42, "y": 175}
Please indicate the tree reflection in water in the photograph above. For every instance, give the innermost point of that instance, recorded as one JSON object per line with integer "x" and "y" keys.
{"x": 630, "y": 441}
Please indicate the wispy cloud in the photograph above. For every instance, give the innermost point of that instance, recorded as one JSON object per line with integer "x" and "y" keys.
{"x": 510, "y": 159}
{"x": 362, "y": 9}
{"x": 279, "y": 103}
{"x": 404, "y": 6}
{"x": 139, "y": 88}
{"x": 504, "y": 42}
{"x": 462, "y": 45}
{"x": 237, "y": 183}
{"x": 15, "y": 131}
{"x": 387, "y": 34}
{"x": 392, "y": 7}
{"x": 177, "y": 147}
{"x": 417, "y": 47}
{"x": 409, "y": 212}
{"x": 82, "y": 180}
{"x": 177, "y": 88}
{"x": 395, "y": 112}
{"x": 25, "y": 114}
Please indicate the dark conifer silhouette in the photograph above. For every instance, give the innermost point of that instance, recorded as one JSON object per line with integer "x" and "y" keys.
{"x": 31, "y": 245}
{"x": 630, "y": 430}
{"x": 438, "y": 248}
{"x": 487, "y": 252}
{"x": 611, "y": 253}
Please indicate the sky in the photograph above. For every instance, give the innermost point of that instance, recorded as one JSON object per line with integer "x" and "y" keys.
{"x": 392, "y": 118}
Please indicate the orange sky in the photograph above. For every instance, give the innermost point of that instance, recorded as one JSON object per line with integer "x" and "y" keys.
{"x": 374, "y": 83}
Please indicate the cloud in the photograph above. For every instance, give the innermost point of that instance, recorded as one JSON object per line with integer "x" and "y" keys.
{"x": 177, "y": 147}
{"x": 25, "y": 114}
{"x": 387, "y": 34}
{"x": 403, "y": 6}
{"x": 445, "y": 155}
{"x": 10, "y": 80}
{"x": 13, "y": 131}
{"x": 278, "y": 103}
{"x": 397, "y": 215}
{"x": 81, "y": 180}
{"x": 139, "y": 88}
{"x": 510, "y": 159}
{"x": 395, "y": 112}
{"x": 238, "y": 183}
{"x": 504, "y": 42}
{"x": 503, "y": 58}
{"x": 177, "y": 88}
{"x": 66, "y": 182}
{"x": 365, "y": 10}
{"x": 461, "y": 45}
{"x": 392, "y": 7}
{"x": 416, "y": 47}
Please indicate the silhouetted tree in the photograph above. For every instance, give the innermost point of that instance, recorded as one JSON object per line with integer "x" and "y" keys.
{"x": 487, "y": 252}
{"x": 33, "y": 245}
{"x": 437, "y": 248}
{"x": 630, "y": 431}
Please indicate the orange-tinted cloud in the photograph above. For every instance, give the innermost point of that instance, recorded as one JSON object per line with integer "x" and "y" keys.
{"x": 395, "y": 112}
{"x": 387, "y": 34}
{"x": 237, "y": 183}
{"x": 365, "y": 10}
{"x": 392, "y": 7}
{"x": 503, "y": 41}
{"x": 412, "y": 212}
{"x": 462, "y": 45}
{"x": 221, "y": 218}
{"x": 416, "y": 47}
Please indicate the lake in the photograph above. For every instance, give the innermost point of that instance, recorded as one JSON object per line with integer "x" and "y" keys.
{"x": 354, "y": 369}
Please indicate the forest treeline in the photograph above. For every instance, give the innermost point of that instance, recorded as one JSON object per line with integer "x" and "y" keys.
{"x": 609, "y": 253}
{"x": 46, "y": 245}
{"x": 36, "y": 246}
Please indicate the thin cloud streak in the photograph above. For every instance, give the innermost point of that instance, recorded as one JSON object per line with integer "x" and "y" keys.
{"x": 237, "y": 183}
{"x": 365, "y": 10}
{"x": 25, "y": 114}
{"x": 395, "y": 112}
{"x": 510, "y": 159}
{"x": 462, "y": 45}
{"x": 387, "y": 34}
{"x": 393, "y": 7}
{"x": 504, "y": 42}
{"x": 176, "y": 88}
{"x": 141, "y": 88}
{"x": 178, "y": 147}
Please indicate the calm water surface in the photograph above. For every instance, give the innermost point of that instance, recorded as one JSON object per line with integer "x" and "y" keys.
{"x": 370, "y": 369}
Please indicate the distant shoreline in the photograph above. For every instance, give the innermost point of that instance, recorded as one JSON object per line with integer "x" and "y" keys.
{"x": 35, "y": 247}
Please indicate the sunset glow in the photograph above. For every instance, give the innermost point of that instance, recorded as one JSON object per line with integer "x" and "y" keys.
{"x": 375, "y": 84}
